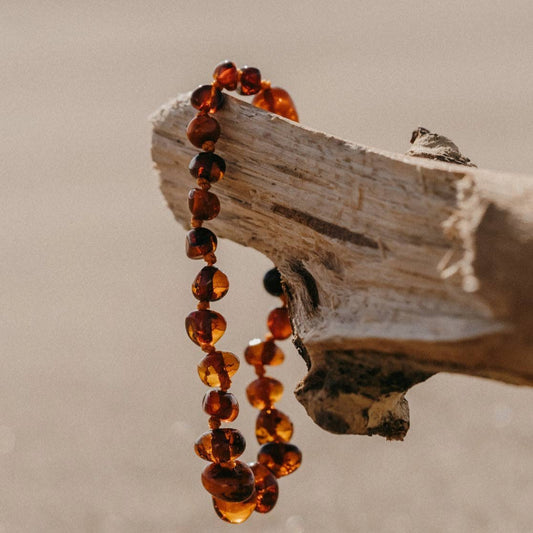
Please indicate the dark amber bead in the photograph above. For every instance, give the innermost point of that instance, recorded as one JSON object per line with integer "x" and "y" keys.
{"x": 273, "y": 426}
{"x": 220, "y": 445}
{"x": 266, "y": 488}
{"x": 263, "y": 353}
{"x": 280, "y": 458}
{"x": 221, "y": 404}
{"x": 200, "y": 242}
{"x": 234, "y": 512}
{"x": 210, "y": 284}
{"x": 203, "y": 205}
{"x": 276, "y": 100}
{"x": 279, "y": 324}
{"x": 231, "y": 482}
{"x": 205, "y": 326}
{"x": 264, "y": 392}
{"x": 216, "y": 369}
{"x": 207, "y": 165}
{"x": 272, "y": 282}
{"x": 250, "y": 82}
{"x": 203, "y": 128}
{"x": 205, "y": 98}
{"x": 226, "y": 75}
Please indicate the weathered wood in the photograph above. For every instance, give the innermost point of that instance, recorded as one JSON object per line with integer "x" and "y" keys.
{"x": 396, "y": 267}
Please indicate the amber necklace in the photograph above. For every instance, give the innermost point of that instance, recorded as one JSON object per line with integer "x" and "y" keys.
{"x": 237, "y": 488}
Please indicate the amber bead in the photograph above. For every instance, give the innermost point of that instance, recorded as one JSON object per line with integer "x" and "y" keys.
{"x": 220, "y": 445}
{"x": 264, "y": 392}
{"x": 276, "y": 100}
{"x": 200, "y": 242}
{"x": 280, "y": 458}
{"x": 203, "y": 205}
{"x": 272, "y": 282}
{"x": 234, "y": 512}
{"x": 231, "y": 482}
{"x": 263, "y": 353}
{"x": 207, "y": 165}
{"x": 226, "y": 75}
{"x": 273, "y": 426}
{"x": 222, "y": 404}
{"x": 203, "y": 128}
{"x": 205, "y": 326}
{"x": 250, "y": 82}
{"x": 205, "y": 98}
{"x": 216, "y": 369}
{"x": 210, "y": 284}
{"x": 279, "y": 324}
{"x": 266, "y": 488}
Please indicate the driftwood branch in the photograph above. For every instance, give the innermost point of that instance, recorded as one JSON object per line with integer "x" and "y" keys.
{"x": 396, "y": 267}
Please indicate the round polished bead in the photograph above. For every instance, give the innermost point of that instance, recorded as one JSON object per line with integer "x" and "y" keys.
{"x": 266, "y": 488}
{"x": 210, "y": 284}
{"x": 207, "y": 165}
{"x": 203, "y": 128}
{"x": 263, "y": 353}
{"x": 276, "y": 100}
{"x": 203, "y": 205}
{"x": 226, "y": 75}
{"x": 272, "y": 282}
{"x": 231, "y": 482}
{"x": 250, "y": 82}
{"x": 280, "y": 458}
{"x": 205, "y": 326}
{"x": 221, "y": 404}
{"x": 264, "y": 392}
{"x": 204, "y": 98}
{"x": 216, "y": 369}
{"x": 273, "y": 426}
{"x": 200, "y": 242}
{"x": 279, "y": 324}
{"x": 220, "y": 445}
{"x": 234, "y": 512}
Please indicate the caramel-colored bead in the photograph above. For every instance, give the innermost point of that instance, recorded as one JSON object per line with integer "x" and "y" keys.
{"x": 226, "y": 75}
{"x": 264, "y": 392}
{"x": 221, "y": 404}
{"x": 280, "y": 458}
{"x": 220, "y": 445}
{"x": 250, "y": 82}
{"x": 279, "y": 324}
{"x": 234, "y": 512}
{"x": 210, "y": 284}
{"x": 231, "y": 482}
{"x": 205, "y": 98}
{"x": 276, "y": 100}
{"x": 203, "y": 205}
{"x": 208, "y": 166}
{"x": 205, "y": 326}
{"x": 273, "y": 426}
{"x": 263, "y": 353}
{"x": 203, "y": 128}
{"x": 216, "y": 369}
{"x": 200, "y": 242}
{"x": 266, "y": 488}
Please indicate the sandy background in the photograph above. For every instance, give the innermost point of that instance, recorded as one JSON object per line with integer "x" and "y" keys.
{"x": 99, "y": 398}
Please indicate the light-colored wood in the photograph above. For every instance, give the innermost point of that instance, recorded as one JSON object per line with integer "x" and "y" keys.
{"x": 396, "y": 267}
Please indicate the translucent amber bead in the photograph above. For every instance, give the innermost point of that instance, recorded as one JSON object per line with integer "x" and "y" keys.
{"x": 266, "y": 488}
{"x": 250, "y": 81}
{"x": 280, "y": 458}
{"x": 221, "y": 404}
{"x": 279, "y": 324}
{"x": 231, "y": 482}
{"x": 276, "y": 100}
{"x": 205, "y": 99}
{"x": 264, "y": 392}
{"x": 200, "y": 242}
{"x": 234, "y": 512}
{"x": 273, "y": 426}
{"x": 210, "y": 284}
{"x": 205, "y": 326}
{"x": 220, "y": 445}
{"x": 263, "y": 353}
{"x": 216, "y": 369}
{"x": 207, "y": 165}
{"x": 203, "y": 128}
{"x": 226, "y": 76}
{"x": 272, "y": 282}
{"x": 203, "y": 205}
